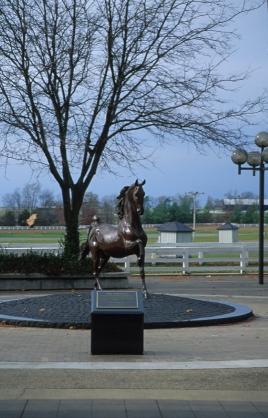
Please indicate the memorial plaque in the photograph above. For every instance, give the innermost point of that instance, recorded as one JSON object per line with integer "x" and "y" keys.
{"x": 117, "y": 322}
{"x": 117, "y": 300}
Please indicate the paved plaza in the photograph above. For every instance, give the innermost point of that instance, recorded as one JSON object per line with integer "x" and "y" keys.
{"x": 210, "y": 371}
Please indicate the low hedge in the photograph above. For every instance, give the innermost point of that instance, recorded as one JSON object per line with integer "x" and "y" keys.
{"x": 48, "y": 264}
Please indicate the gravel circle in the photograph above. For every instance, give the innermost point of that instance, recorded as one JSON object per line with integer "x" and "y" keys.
{"x": 72, "y": 310}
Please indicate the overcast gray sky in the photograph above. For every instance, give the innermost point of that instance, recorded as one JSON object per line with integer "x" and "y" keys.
{"x": 180, "y": 168}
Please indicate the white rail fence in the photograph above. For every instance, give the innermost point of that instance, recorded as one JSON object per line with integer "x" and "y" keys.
{"x": 199, "y": 259}
{"x": 203, "y": 258}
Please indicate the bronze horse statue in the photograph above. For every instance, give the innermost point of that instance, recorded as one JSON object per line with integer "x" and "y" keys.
{"x": 127, "y": 238}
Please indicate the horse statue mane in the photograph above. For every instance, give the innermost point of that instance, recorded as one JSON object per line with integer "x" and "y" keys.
{"x": 122, "y": 195}
{"x": 121, "y": 200}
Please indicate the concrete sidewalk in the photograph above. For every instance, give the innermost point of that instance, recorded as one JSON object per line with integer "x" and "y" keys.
{"x": 225, "y": 367}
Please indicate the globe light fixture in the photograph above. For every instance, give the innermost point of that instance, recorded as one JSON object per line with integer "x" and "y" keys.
{"x": 239, "y": 156}
{"x": 265, "y": 155}
{"x": 261, "y": 139}
{"x": 256, "y": 163}
{"x": 254, "y": 158}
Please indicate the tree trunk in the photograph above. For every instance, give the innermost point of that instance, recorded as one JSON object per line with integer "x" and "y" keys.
{"x": 71, "y": 207}
{"x": 71, "y": 239}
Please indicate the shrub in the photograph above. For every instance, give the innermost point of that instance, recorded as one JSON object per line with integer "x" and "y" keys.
{"x": 46, "y": 263}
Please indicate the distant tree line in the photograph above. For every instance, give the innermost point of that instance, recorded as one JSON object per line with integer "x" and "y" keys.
{"x": 168, "y": 209}
{"x": 32, "y": 198}
{"x": 18, "y": 205}
{"x": 180, "y": 208}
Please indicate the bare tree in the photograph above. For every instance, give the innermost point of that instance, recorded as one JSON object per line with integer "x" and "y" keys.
{"x": 108, "y": 209}
{"x": 79, "y": 79}
{"x": 46, "y": 199}
{"x": 13, "y": 200}
{"x": 30, "y": 196}
{"x": 90, "y": 207}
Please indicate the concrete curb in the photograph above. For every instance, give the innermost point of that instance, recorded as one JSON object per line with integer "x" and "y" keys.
{"x": 42, "y": 282}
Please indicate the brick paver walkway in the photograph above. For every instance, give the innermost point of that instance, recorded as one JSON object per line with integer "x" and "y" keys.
{"x": 132, "y": 409}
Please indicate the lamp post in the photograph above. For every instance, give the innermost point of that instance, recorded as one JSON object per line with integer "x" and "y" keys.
{"x": 256, "y": 161}
{"x": 194, "y": 196}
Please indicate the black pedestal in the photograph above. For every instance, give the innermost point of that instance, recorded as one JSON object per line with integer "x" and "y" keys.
{"x": 117, "y": 322}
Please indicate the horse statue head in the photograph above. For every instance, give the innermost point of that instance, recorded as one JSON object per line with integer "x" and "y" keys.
{"x": 135, "y": 195}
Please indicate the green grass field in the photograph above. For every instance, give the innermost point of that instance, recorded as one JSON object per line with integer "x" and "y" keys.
{"x": 32, "y": 236}
{"x": 35, "y": 236}
{"x": 210, "y": 234}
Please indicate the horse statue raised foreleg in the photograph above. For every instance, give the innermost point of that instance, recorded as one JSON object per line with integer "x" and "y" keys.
{"x": 141, "y": 262}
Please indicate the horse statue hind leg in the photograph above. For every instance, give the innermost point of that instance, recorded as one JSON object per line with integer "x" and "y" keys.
{"x": 98, "y": 262}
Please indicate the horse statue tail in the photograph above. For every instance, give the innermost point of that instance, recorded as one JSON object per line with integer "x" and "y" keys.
{"x": 85, "y": 248}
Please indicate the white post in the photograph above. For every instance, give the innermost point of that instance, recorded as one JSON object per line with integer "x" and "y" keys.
{"x": 127, "y": 265}
{"x": 243, "y": 260}
{"x": 153, "y": 259}
{"x": 200, "y": 257}
{"x": 185, "y": 261}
